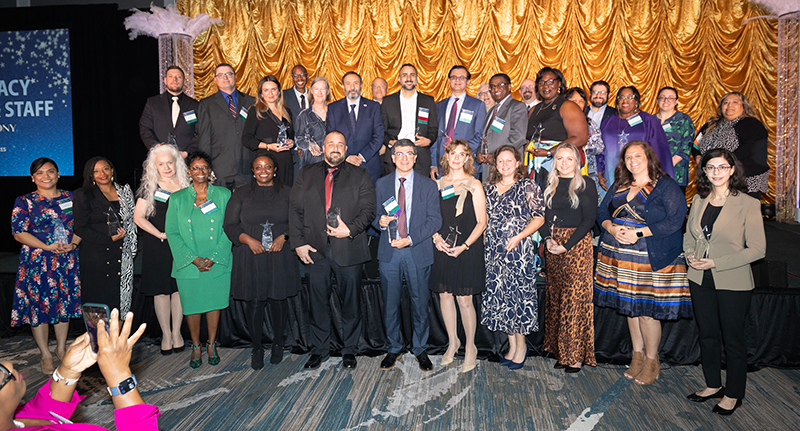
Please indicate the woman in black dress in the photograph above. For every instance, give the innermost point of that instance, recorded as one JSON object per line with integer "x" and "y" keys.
{"x": 164, "y": 173}
{"x": 262, "y": 276}
{"x": 269, "y": 127}
{"x": 459, "y": 269}
{"x": 106, "y": 257}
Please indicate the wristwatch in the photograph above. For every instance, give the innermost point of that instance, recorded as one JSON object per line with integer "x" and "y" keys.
{"x": 124, "y": 386}
{"x": 466, "y": 247}
{"x": 549, "y": 153}
{"x": 639, "y": 232}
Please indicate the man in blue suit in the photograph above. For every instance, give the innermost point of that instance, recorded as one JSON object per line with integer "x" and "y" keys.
{"x": 410, "y": 202}
{"x": 461, "y": 116}
{"x": 360, "y": 121}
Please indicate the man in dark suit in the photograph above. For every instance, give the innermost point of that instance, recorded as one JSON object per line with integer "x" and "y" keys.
{"x": 171, "y": 113}
{"x": 330, "y": 185}
{"x": 221, "y": 118}
{"x": 359, "y": 120}
{"x": 409, "y": 114}
{"x": 409, "y": 201}
{"x": 461, "y": 116}
{"x": 296, "y": 99}
{"x": 599, "y": 110}
{"x": 506, "y": 123}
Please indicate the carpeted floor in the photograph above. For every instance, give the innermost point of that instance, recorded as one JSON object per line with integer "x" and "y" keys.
{"x": 232, "y": 396}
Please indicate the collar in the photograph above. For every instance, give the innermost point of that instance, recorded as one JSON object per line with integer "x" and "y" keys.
{"x": 357, "y": 102}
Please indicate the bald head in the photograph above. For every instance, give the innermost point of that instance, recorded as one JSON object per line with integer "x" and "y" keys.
{"x": 528, "y": 91}
{"x": 379, "y": 89}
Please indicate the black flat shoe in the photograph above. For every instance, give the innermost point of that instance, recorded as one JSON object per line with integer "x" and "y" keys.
{"x": 572, "y": 370}
{"x": 701, "y": 399}
{"x": 725, "y": 412}
{"x": 558, "y": 366}
{"x": 166, "y": 352}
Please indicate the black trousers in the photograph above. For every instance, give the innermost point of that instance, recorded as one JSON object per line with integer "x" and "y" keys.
{"x": 348, "y": 283}
{"x": 722, "y": 311}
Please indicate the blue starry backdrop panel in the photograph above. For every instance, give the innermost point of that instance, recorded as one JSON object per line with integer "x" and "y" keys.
{"x": 35, "y": 100}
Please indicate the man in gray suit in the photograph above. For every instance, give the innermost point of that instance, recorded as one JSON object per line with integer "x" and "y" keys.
{"x": 506, "y": 123}
{"x": 221, "y": 117}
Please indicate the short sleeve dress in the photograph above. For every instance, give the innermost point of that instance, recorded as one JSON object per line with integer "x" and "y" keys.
{"x": 48, "y": 287}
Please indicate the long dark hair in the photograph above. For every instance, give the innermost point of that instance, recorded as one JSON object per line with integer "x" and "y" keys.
{"x": 494, "y": 175}
{"x": 88, "y": 171}
{"x": 41, "y": 161}
{"x": 736, "y": 183}
{"x": 261, "y": 104}
{"x": 623, "y": 177}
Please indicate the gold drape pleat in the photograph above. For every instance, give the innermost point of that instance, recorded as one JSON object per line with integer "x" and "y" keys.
{"x": 701, "y": 47}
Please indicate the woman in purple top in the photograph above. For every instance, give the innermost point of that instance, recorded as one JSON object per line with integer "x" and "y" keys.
{"x": 627, "y": 125}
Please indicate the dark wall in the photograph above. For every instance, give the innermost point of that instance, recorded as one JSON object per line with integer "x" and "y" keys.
{"x": 112, "y": 77}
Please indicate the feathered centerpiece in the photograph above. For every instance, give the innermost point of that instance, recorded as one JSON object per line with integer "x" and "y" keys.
{"x": 175, "y": 33}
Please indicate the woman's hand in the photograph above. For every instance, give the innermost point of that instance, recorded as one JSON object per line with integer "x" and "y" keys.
{"x": 623, "y": 235}
{"x": 288, "y": 144}
{"x": 78, "y": 358}
{"x": 700, "y": 264}
{"x": 202, "y": 263}
{"x": 114, "y": 355}
{"x": 513, "y": 242}
{"x": 457, "y": 250}
{"x": 555, "y": 248}
{"x": 441, "y": 245}
{"x": 315, "y": 150}
{"x": 255, "y": 246}
{"x": 602, "y": 180}
{"x": 277, "y": 244}
{"x": 119, "y": 235}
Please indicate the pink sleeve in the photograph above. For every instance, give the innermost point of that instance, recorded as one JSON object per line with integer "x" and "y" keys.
{"x": 40, "y": 406}
{"x": 141, "y": 417}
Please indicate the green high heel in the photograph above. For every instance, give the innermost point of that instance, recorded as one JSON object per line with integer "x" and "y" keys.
{"x": 196, "y": 360}
{"x": 213, "y": 360}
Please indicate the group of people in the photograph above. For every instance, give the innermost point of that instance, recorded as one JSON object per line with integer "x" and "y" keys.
{"x": 454, "y": 197}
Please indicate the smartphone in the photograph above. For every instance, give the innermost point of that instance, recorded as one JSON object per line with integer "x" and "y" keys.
{"x": 93, "y": 313}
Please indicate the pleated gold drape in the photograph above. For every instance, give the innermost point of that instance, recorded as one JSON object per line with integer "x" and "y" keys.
{"x": 701, "y": 47}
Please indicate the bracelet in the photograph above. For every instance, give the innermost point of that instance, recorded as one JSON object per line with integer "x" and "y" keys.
{"x": 76, "y": 246}
{"x": 58, "y": 377}
{"x": 466, "y": 246}
{"x": 436, "y": 235}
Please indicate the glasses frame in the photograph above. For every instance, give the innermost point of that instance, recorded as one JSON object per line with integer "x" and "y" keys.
{"x": 710, "y": 169}
{"x": 7, "y": 376}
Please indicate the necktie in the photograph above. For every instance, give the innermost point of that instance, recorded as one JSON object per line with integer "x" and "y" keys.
{"x": 451, "y": 123}
{"x": 176, "y": 110}
{"x": 231, "y": 106}
{"x": 329, "y": 188}
{"x": 353, "y": 118}
{"x": 302, "y": 102}
{"x": 491, "y": 119}
{"x": 402, "y": 221}
{"x": 530, "y": 109}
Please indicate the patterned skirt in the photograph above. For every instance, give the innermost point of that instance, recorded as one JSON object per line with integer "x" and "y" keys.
{"x": 626, "y": 281}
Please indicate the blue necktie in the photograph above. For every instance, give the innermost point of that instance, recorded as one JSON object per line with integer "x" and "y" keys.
{"x": 353, "y": 118}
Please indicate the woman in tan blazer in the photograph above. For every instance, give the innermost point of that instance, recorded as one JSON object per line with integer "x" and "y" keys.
{"x": 724, "y": 234}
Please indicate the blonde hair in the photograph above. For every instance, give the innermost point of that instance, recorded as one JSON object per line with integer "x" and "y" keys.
{"x": 576, "y": 182}
{"x": 469, "y": 166}
{"x": 327, "y": 87}
{"x": 151, "y": 176}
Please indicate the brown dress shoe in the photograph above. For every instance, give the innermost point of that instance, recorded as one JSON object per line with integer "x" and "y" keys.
{"x": 650, "y": 372}
{"x": 637, "y": 364}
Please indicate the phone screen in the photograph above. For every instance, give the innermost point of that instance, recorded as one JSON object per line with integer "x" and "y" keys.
{"x": 93, "y": 313}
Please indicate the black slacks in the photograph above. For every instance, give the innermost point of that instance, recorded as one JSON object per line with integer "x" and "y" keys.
{"x": 722, "y": 311}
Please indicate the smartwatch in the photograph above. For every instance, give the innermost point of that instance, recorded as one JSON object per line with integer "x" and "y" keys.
{"x": 124, "y": 386}
{"x": 639, "y": 232}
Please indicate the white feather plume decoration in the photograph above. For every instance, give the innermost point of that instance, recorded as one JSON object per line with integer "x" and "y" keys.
{"x": 779, "y": 7}
{"x": 167, "y": 20}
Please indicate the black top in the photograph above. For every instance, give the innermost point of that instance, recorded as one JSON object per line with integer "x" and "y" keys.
{"x": 266, "y": 130}
{"x": 549, "y": 116}
{"x": 709, "y": 217}
{"x": 581, "y": 218}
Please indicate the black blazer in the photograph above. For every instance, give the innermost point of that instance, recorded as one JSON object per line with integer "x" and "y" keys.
{"x": 610, "y": 111}
{"x": 353, "y": 193}
{"x": 290, "y": 100}
{"x": 393, "y": 121}
{"x": 155, "y": 125}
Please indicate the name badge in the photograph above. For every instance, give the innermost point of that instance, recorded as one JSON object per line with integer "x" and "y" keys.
{"x": 636, "y": 119}
{"x": 498, "y": 124}
{"x": 466, "y": 116}
{"x": 208, "y": 207}
{"x": 667, "y": 127}
{"x": 697, "y": 140}
{"x": 190, "y": 117}
{"x": 391, "y": 206}
{"x": 422, "y": 115}
{"x": 448, "y": 192}
{"x": 161, "y": 195}
{"x": 65, "y": 205}
{"x": 243, "y": 113}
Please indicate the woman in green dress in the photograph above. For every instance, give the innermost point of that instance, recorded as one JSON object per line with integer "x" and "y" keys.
{"x": 201, "y": 253}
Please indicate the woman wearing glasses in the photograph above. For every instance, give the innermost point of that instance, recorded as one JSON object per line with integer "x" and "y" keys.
{"x": 201, "y": 253}
{"x": 627, "y": 125}
{"x": 724, "y": 235}
{"x": 679, "y": 129}
{"x": 485, "y": 96}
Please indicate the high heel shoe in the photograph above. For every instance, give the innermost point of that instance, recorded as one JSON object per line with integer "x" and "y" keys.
{"x": 197, "y": 359}
{"x": 277, "y": 353}
{"x": 447, "y": 360}
{"x": 637, "y": 364}
{"x": 725, "y": 412}
{"x": 649, "y": 373}
{"x": 701, "y": 399}
{"x": 517, "y": 365}
{"x": 256, "y": 359}
{"x": 467, "y": 367}
{"x": 212, "y": 348}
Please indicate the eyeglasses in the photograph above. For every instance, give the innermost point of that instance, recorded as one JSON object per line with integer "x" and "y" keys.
{"x": 667, "y": 99}
{"x": 527, "y": 87}
{"x": 458, "y": 78}
{"x": 408, "y": 154}
{"x": 631, "y": 97}
{"x": 599, "y": 92}
{"x": 483, "y": 93}
{"x": 547, "y": 81}
{"x": 225, "y": 75}
{"x": 200, "y": 168}
{"x": 7, "y": 376}
{"x": 298, "y": 75}
{"x": 713, "y": 169}
{"x": 500, "y": 85}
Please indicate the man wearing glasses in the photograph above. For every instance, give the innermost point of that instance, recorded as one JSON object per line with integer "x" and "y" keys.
{"x": 408, "y": 215}
{"x": 296, "y": 99}
{"x": 598, "y": 96}
{"x": 221, "y": 118}
{"x": 505, "y": 124}
{"x": 527, "y": 90}
{"x": 461, "y": 116}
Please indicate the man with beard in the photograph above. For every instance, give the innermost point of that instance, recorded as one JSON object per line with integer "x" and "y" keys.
{"x": 598, "y": 96}
{"x": 528, "y": 92}
{"x": 171, "y": 116}
{"x": 409, "y": 114}
{"x": 506, "y": 123}
{"x": 359, "y": 120}
{"x": 332, "y": 204}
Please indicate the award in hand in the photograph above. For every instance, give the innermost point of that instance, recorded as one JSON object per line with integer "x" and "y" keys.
{"x": 282, "y": 134}
{"x": 701, "y": 246}
{"x": 392, "y": 227}
{"x": 483, "y": 148}
{"x": 113, "y": 221}
{"x": 452, "y": 237}
{"x": 266, "y": 235}
{"x": 333, "y": 217}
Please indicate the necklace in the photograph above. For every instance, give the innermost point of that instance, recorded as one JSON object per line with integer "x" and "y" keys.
{"x": 622, "y": 137}
{"x": 542, "y": 106}
{"x": 507, "y": 185}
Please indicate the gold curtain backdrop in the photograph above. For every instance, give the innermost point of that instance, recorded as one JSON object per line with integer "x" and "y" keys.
{"x": 701, "y": 47}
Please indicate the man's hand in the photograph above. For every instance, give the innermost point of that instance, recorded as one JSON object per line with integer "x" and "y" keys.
{"x": 339, "y": 232}
{"x": 434, "y": 173}
{"x": 303, "y": 253}
{"x": 401, "y": 242}
{"x": 355, "y": 159}
{"x": 422, "y": 141}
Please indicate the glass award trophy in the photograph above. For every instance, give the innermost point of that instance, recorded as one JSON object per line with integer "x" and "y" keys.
{"x": 60, "y": 233}
{"x": 282, "y": 134}
{"x": 392, "y": 230}
{"x": 266, "y": 235}
{"x": 701, "y": 246}
{"x": 113, "y": 221}
{"x": 483, "y": 148}
{"x": 554, "y": 224}
{"x": 333, "y": 217}
{"x": 452, "y": 237}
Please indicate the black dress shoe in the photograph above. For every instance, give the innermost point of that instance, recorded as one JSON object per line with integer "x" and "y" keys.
{"x": 701, "y": 399}
{"x": 179, "y": 349}
{"x": 726, "y": 412}
{"x": 388, "y": 362}
{"x": 425, "y": 363}
{"x": 558, "y": 366}
{"x": 257, "y": 359}
{"x": 572, "y": 370}
{"x": 166, "y": 352}
{"x": 276, "y": 356}
{"x": 349, "y": 361}
{"x": 313, "y": 362}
